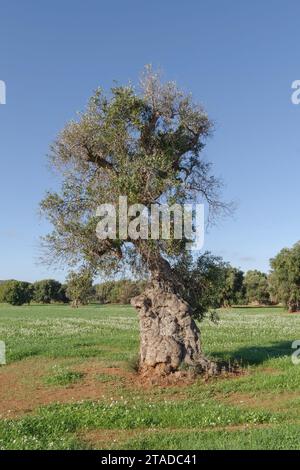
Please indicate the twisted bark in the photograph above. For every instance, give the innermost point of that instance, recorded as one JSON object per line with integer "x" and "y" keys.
{"x": 170, "y": 337}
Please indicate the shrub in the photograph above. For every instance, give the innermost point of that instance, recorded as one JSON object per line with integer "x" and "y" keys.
{"x": 17, "y": 292}
{"x": 47, "y": 291}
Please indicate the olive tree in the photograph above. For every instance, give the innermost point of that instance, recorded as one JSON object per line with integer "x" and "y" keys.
{"x": 204, "y": 279}
{"x": 145, "y": 144}
{"x": 79, "y": 287}
{"x": 285, "y": 277}
{"x": 233, "y": 290}
{"x": 256, "y": 287}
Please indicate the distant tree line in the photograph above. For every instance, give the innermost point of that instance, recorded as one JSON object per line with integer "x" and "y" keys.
{"x": 212, "y": 282}
{"x": 78, "y": 290}
{"x": 118, "y": 292}
{"x": 45, "y": 292}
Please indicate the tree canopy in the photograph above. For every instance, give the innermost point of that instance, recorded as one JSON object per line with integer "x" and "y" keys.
{"x": 79, "y": 287}
{"x": 48, "y": 290}
{"x": 256, "y": 287}
{"x": 144, "y": 144}
{"x": 17, "y": 292}
{"x": 233, "y": 288}
{"x": 285, "y": 277}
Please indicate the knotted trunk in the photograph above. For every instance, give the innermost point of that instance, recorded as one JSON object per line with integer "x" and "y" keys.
{"x": 170, "y": 338}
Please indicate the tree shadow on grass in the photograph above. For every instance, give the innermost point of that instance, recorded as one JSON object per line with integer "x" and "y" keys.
{"x": 255, "y": 355}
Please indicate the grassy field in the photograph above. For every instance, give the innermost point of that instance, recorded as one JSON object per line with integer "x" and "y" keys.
{"x": 70, "y": 384}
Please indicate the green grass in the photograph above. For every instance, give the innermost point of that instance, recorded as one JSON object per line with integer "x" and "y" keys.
{"x": 264, "y": 403}
{"x": 64, "y": 378}
{"x": 107, "y": 378}
{"x": 60, "y": 331}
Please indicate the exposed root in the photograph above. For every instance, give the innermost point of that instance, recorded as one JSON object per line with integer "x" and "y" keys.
{"x": 161, "y": 374}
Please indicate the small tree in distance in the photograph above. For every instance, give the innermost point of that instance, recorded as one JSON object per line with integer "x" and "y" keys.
{"x": 233, "y": 290}
{"x": 285, "y": 277}
{"x": 79, "y": 288}
{"x": 122, "y": 291}
{"x": 256, "y": 287}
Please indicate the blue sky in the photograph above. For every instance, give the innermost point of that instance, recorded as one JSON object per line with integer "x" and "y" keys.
{"x": 238, "y": 58}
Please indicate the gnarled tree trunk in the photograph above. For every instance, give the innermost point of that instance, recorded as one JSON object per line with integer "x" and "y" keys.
{"x": 170, "y": 338}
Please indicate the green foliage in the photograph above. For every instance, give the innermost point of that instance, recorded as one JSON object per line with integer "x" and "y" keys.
{"x": 118, "y": 292}
{"x": 103, "y": 292}
{"x": 47, "y": 291}
{"x": 203, "y": 281}
{"x": 285, "y": 277}
{"x": 80, "y": 287}
{"x": 256, "y": 287}
{"x": 141, "y": 143}
{"x": 62, "y": 294}
{"x": 233, "y": 290}
{"x": 17, "y": 292}
{"x": 209, "y": 283}
{"x": 2, "y": 289}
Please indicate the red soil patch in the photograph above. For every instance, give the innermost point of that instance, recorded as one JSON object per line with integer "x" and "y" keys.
{"x": 22, "y": 388}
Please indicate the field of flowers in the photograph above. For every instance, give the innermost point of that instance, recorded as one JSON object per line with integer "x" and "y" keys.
{"x": 70, "y": 383}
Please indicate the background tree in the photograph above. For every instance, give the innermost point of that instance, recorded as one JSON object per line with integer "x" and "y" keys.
{"x": 256, "y": 287}
{"x": 204, "y": 281}
{"x": 80, "y": 287}
{"x": 17, "y": 292}
{"x": 144, "y": 144}
{"x": 119, "y": 292}
{"x": 47, "y": 291}
{"x": 233, "y": 291}
{"x": 62, "y": 294}
{"x": 2, "y": 289}
{"x": 285, "y": 277}
{"x": 103, "y": 292}
{"x": 129, "y": 290}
